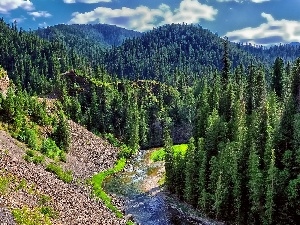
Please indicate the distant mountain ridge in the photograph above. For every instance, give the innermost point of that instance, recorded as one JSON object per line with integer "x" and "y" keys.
{"x": 162, "y": 52}
{"x": 89, "y": 41}
{"x": 176, "y": 48}
{"x": 102, "y": 34}
{"x": 294, "y": 43}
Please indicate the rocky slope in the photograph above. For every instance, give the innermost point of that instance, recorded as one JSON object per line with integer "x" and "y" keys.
{"x": 73, "y": 204}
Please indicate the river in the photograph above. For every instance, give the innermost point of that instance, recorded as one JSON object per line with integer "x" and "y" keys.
{"x": 145, "y": 200}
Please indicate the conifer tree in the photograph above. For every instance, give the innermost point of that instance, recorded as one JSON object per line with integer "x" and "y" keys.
{"x": 226, "y": 62}
{"x": 270, "y": 190}
{"x": 62, "y": 132}
{"x": 278, "y": 77}
{"x": 190, "y": 194}
{"x": 202, "y": 176}
{"x": 202, "y": 111}
{"x": 133, "y": 123}
{"x": 255, "y": 185}
{"x": 169, "y": 160}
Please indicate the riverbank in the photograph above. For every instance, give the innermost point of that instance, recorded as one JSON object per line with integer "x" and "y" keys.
{"x": 145, "y": 199}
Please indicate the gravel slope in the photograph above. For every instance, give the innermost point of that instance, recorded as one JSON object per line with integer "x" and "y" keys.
{"x": 88, "y": 154}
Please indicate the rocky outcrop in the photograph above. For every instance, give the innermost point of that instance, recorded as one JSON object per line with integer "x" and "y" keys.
{"x": 87, "y": 155}
{"x": 4, "y": 82}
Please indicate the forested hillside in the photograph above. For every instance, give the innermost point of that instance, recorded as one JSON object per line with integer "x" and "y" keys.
{"x": 242, "y": 164}
{"x": 166, "y": 54}
{"x": 288, "y": 52}
{"x": 90, "y": 95}
{"x": 87, "y": 40}
{"x": 173, "y": 52}
{"x": 239, "y": 111}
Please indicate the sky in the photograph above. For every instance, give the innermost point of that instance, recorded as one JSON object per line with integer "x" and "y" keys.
{"x": 262, "y": 22}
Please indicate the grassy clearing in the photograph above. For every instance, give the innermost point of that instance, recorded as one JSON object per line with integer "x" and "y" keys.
{"x": 159, "y": 154}
{"x": 97, "y": 182}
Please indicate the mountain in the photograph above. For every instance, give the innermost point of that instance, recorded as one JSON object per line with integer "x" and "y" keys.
{"x": 268, "y": 55}
{"x": 103, "y": 34}
{"x": 87, "y": 40}
{"x": 295, "y": 43}
{"x": 177, "y": 83}
{"x": 162, "y": 53}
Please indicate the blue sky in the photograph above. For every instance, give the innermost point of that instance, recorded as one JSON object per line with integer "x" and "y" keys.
{"x": 256, "y": 21}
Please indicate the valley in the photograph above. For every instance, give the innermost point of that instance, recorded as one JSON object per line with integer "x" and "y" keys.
{"x": 82, "y": 108}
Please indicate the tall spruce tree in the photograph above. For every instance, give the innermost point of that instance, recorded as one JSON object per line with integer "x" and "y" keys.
{"x": 278, "y": 77}
{"x": 190, "y": 188}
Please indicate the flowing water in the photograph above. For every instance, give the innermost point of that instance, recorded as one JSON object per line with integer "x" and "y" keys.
{"x": 145, "y": 200}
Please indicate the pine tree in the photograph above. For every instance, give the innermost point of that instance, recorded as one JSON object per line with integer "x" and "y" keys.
{"x": 133, "y": 121}
{"x": 202, "y": 176}
{"x": 190, "y": 194}
{"x": 226, "y": 62}
{"x": 202, "y": 111}
{"x": 255, "y": 185}
{"x": 270, "y": 190}
{"x": 61, "y": 133}
{"x": 278, "y": 77}
{"x": 169, "y": 160}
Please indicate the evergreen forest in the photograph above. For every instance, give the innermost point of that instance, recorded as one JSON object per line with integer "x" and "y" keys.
{"x": 236, "y": 105}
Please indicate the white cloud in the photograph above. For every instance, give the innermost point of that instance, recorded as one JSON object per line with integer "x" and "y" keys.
{"x": 143, "y": 18}
{"x": 85, "y": 1}
{"x": 18, "y": 19}
{"x": 260, "y": 1}
{"x": 229, "y": 1}
{"x": 242, "y": 1}
{"x": 42, "y": 25}
{"x": 8, "y": 5}
{"x": 40, "y": 14}
{"x": 271, "y": 32}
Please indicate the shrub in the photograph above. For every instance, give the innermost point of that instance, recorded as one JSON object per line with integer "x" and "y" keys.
{"x": 125, "y": 152}
{"x": 30, "y": 153}
{"x": 27, "y": 216}
{"x": 50, "y": 149}
{"x": 111, "y": 139}
{"x": 48, "y": 211}
{"x": 65, "y": 176}
{"x": 32, "y": 157}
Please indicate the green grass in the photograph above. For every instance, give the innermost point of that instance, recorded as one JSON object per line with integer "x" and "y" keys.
{"x": 31, "y": 156}
{"x": 159, "y": 154}
{"x": 27, "y": 216}
{"x": 4, "y": 184}
{"x": 97, "y": 182}
{"x": 180, "y": 149}
{"x": 22, "y": 185}
{"x": 65, "y": 176}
